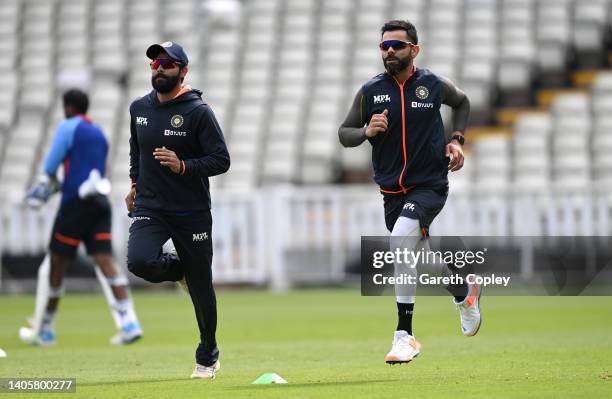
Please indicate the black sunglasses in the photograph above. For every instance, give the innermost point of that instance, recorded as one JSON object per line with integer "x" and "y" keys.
{"x": 396, "y": 44}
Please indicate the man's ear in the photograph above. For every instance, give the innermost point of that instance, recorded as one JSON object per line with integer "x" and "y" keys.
{"x": 184, "y": 71}
{"x": 415, "y": 51}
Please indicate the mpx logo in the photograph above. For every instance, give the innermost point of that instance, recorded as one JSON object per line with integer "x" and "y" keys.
{"x": 409, "y": 205}
{"x": 141, "y": 120}
{"x": 382, "y": 98}
{"x": 200, "y": 236}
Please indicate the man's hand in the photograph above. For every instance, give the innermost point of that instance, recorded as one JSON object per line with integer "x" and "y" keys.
{"x": 42, "y": 191}
{"x": 455, "y": 153}
{"x": 377, "y": 124}
{"x": 168, "y": 158}
{"x": 131, "y": 199}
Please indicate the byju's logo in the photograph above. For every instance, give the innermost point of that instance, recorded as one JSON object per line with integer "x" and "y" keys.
{"x": 142, "y": 121}
{"x": 174, "y": 133}
{"x": 382, "y": 98}
{"x": 416, "y": 104}
{"x": 200, "y": 237}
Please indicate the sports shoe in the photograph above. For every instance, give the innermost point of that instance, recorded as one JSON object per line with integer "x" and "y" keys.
{"x": 206, "y": 372}
{"x": 46, "y": 337}
{"x": 129, "y": 333}
{"x": 469, "y": 310}
{"x": 405, "y": 348}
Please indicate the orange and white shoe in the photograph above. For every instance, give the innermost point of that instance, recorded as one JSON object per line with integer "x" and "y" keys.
{"x": 405, "y": 348}
{"x": 469, "y": 310}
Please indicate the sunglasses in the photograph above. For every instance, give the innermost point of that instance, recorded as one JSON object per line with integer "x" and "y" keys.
{"x": 396, "y": 44}
{"x": 165, "y": 63}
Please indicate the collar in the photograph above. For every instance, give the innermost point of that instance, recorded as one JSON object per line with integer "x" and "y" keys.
{"x": 184, "y": 89}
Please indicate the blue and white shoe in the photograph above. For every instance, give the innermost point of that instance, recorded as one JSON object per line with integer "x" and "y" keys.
{"x": 129, "y": 333}
{"x": 46, "y": 337}
{"x": 469, "y": 310}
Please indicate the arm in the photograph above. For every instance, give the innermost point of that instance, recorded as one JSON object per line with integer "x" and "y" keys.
{"x": 352, "y": 131}
{"x": 130, "y": 199}
{"x": 47, "y": 183}
{"x": 62, "y": 142}
{"x": 134, "y": 151}
{"x": 216, "y": 159}
{"x": 459, "y": 102}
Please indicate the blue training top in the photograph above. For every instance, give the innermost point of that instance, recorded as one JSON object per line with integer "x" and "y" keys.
{"x": 81, "y": 146}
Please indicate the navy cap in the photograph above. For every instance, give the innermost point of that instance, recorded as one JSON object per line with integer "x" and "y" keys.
{"x": 174, "y": 51}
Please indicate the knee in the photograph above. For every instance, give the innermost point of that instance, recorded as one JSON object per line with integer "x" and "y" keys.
{"x": 140, "y": 266}
{"x": 406, "y": 227}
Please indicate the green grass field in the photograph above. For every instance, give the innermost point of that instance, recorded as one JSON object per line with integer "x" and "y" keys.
{"x": 326, "y": 344}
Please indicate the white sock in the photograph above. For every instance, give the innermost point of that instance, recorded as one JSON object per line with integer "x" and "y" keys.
{"x": 125, "y": 310}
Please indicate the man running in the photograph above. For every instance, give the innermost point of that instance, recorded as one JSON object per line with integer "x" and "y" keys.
{"x": 84, "y": 216}
{"x": 398, "y": 112}
{"x": 176, "y": 144}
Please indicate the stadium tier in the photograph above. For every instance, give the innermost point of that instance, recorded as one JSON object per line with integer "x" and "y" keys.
{"x": 280, "y": 75}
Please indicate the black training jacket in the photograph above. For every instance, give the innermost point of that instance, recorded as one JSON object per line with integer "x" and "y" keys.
{"x": 411, "y": 153}
{"x": 187, "y": 126}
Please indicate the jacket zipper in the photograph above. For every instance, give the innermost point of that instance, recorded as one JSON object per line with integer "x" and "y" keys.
{"x": 401, "y": 176}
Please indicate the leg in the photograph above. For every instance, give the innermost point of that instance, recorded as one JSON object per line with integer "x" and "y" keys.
{"x": 110, "y": 270}
{"x": 46, "y": 333}
{"x": 58, "y": 266}
{"x": 109, "y": 295}
{"x": 423, "y": 206}
{"x": 42, "y": 293}
{"x": 145, "y": 257}
{"x": 98, "y": 242}
{"x": 192, "y": 238}
{"x": 420, "y": 209}
{"x": 120, "y": 302}
{"x": 34, "y": 335}
{"x": 63, "y": 246}
{"x": 406, "y": 233}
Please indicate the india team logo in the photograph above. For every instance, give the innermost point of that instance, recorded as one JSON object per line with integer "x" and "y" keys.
{"x": 422, "y": 92}
{"x": 176, "y": 121}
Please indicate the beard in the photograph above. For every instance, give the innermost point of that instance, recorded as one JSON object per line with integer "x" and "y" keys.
{"x": 164, "y": 84}
{"x": 399, "y": 66}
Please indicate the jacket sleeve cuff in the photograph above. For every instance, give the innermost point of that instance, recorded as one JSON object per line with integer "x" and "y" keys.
{"x": 184, "y": 165}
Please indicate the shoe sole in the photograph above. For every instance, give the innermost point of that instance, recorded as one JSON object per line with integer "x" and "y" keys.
{"x": 133, "y": 339}
{"x": 479, "y": 309}
{"x": 394, "y": 362}
{"x": 127, "y": 342}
